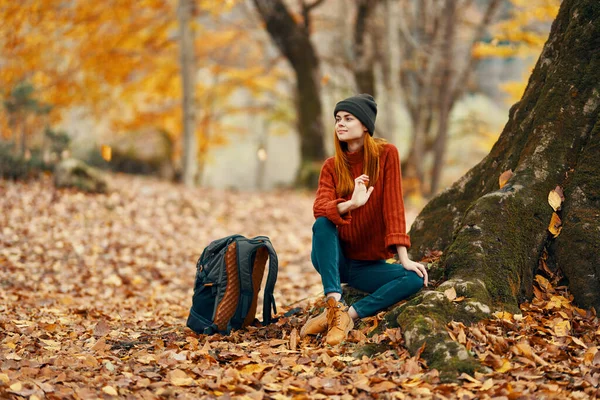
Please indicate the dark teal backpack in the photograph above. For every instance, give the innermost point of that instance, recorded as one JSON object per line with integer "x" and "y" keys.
{"x": 228, "y": 278}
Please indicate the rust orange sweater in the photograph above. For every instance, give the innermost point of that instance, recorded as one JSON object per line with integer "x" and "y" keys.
{"x": 370, "y": 232}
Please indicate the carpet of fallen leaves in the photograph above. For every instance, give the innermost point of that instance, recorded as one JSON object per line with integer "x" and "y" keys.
{"x": 95, "y": 291}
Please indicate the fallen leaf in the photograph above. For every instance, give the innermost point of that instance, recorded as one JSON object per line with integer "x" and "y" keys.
{"x": 505, "y": 315}
{"x": 16, "y": 387}
{"x": 557, "y": 302}
{"x": 450, "y": 293}
{"x": 383, "y": 387}
{"x": 554, "y": 200}
{"x": 462, "y": 337}
{"x": 524, "y": 349}
{"x": 562, "y": 328}
{"x": 559, "y": 191}
{"x": 505, "y": 177}
{"x": 505, "y": 367}
{"x": 469, "y": 378}
{"x": 253, "y": 368}
{"x": 487, "y": 385}
{"x": 179, "y": 378}
{"x": 579, "y": 342}
{"x": 555, "y": 225}
{"x": 544, "y": 284}
{"x": 101, "y": 328}
{"x": 100, "y": 345}
{"x": 110, "y": 390}
{"x": 294, "y": 339}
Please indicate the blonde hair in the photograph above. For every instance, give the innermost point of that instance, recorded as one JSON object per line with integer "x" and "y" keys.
{"x": 372, "y": 150}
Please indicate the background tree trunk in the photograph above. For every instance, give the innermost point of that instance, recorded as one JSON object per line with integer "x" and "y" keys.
{"x": 293, "y": 40}
{"x": 444, "y": 94}
{"x": 433, "y": 78}
{"x": 493, "y": 238}
{"x": 188, "y": 74}
{"x": 364, "y": 75}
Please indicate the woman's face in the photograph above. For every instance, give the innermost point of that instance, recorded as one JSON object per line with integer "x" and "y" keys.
{"x": 348, "y": 127}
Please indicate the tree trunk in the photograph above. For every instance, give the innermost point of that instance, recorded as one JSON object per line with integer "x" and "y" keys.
{"x": 188, "y": 74}
{"x": 492, "y": 238}
{"x": 432, "y": 82}
{"x": 23, "y": 149}
{"x": 293, "y": 40}
{"x": 364, "y": 75}
{"x": 445, "y": 94}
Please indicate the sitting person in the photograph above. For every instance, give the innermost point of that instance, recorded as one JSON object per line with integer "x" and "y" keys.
{"x": 360, "y": 223}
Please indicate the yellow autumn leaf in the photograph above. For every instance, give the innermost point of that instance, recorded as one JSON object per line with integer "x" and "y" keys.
{"x": 111, "y": 391}
{"x": 555, "y": 225}
{"x": 562, "y": 328}
{"x": 505, "y": 367}
{"x": 506, "y": 175}
{"x": 4, "y": 379}
{"x": 253, "y": 368}
{"x": 554, "y": 200}
{"x": 557, "y": 302}
{"x": 503, "y": 315}
{"x": 544, "y": 284}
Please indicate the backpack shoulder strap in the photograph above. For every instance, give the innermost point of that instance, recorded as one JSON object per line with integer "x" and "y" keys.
{"x": 246, "y": 250}
{"x": 268, "y": 298}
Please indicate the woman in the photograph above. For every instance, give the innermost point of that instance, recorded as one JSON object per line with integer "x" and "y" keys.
{"x": 360, "y": 223}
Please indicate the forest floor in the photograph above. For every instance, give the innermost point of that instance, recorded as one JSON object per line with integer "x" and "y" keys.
{"x": 95, "y": 292}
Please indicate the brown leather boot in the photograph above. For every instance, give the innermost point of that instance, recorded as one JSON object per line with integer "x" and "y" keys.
{"x": 315, "y": 325}
{"x": 339, "y": 322}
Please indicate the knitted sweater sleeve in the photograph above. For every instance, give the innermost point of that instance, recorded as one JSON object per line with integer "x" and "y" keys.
{"x": 393, "y": 203}
{"x": 326, "y": 201}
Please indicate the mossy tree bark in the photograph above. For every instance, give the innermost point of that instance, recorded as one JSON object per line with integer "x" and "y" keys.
{"x": 492, "y": 238}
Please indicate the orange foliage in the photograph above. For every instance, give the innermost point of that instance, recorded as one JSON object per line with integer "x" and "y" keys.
{"x": 523, "y": 34}
{"x": 120, "y": 59}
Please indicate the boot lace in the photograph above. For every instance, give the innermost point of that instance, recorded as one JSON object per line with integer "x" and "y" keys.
{"x": 333, "y": 316}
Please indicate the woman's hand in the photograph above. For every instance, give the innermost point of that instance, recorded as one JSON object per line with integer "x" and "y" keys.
{"x": 361, "y": 194}
{"x": 419, "y": 268}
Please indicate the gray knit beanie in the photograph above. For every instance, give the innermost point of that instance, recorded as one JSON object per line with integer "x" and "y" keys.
{"x": 363, "y": 107}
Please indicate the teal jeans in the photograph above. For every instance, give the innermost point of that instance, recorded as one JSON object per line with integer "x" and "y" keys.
{"x": 386, "y": 283}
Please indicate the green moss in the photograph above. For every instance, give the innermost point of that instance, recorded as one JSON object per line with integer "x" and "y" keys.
{"x": 370, "y": 350}
{"x": 390, "y": 318}
{"x": 495, "y": 243}
{"x": 441, "y": 312}
{"x": 442, "y": 353}
{"x": 451, "y": 369}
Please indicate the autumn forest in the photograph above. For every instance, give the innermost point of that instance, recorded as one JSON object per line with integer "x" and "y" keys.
{"x": 135, "y": 133}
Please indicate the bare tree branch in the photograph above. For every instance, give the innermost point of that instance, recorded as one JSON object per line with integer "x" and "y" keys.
{"x": 306, "y": 8}
{"x": 315, "y": 4}
{"x": 459, "y": 85}
{"x": 404, "y": 31}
